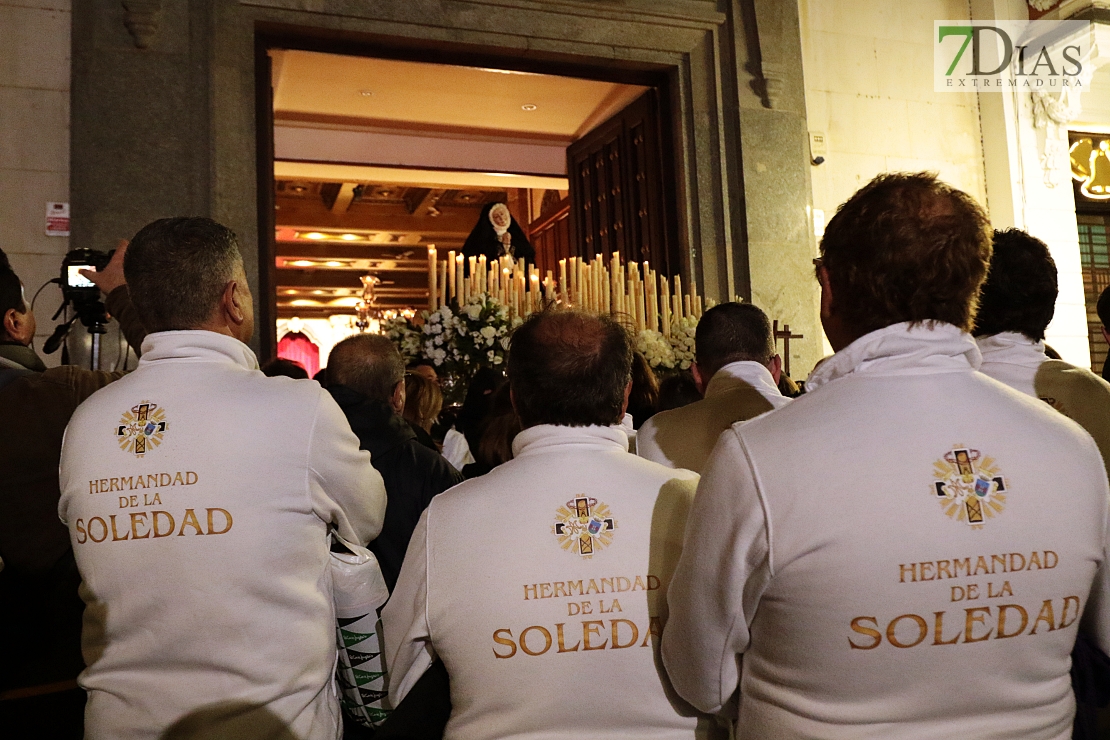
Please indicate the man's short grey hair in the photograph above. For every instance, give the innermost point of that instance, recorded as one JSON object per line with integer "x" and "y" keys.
{"x": 177, "y": 269}
{"x": 368, "y": 364}
{"x": 732, "y": 332}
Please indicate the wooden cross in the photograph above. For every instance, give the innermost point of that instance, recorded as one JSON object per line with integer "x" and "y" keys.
{"x": 785, "y": 335}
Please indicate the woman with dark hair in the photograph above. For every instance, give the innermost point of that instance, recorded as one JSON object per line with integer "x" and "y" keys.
{"x": 497, "y": 233}
{"x": 644, "y": 398}
{"x": 466, "y": 434}
{"x": 497, "y": 432}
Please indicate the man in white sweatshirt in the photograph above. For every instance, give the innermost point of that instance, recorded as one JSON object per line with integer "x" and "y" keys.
{"x": 1016, "y": 304}
{"x": 906, "y": 550}
{"x": 737, "y": 372}
{"x": 541, "y": 585}
{"x": 198, "y": 495}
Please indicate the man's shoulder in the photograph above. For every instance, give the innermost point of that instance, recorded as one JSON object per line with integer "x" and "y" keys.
{"x": 1059, "y": 375}
{"x": 678, "y": 417}
{"x": 425, "y": 460}
{"x": 513, "y": 479}
{"x": 204, "y": 388}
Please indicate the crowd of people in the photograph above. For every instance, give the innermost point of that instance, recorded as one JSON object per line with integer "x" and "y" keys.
{"x": 579, "y": 550}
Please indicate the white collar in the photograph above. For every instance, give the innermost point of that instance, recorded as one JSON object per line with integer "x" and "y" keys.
{"x": 902, "y": 349}
{"x": 744, "y": 372}
{"x": 551, "y": 438}
{"x": 1012, "y": 348}
{"x": 196, "y": 346}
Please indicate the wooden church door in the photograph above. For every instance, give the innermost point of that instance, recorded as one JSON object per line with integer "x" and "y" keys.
{"x": 622, "y": 194}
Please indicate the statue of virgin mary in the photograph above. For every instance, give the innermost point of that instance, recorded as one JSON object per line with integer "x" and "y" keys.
{"x": 496, "y": 234}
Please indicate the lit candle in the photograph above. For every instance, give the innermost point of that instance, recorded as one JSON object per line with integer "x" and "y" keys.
{"x": 460, "y": 281}
{"x": 451, "y": 287}
{"x": 432, "y": 279}
{"x": 665, "y": 299}
{"x": 678, "y": 297}
{"x": 442, "y": 283}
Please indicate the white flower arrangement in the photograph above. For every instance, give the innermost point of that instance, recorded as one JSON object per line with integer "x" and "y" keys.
{"x": 406, "y": 336}
{"x": 460, "y": 341}
{"x": 682, "y": 341}
{"x": 655, "y": 347}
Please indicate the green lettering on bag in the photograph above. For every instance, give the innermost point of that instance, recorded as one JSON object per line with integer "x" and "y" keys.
{"x": 354, "y": 638}
{"x": 365, "y": 677}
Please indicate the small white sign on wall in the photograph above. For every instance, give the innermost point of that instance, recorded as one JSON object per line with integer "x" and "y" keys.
{"x": 57, "y": 219}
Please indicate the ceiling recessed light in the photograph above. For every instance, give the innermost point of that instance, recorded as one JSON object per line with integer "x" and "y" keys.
{"x": 366, "y": 93}
{"x": 302, "y": 263}
{"x": 350, "y": 237}
{"x": 528, "y": 106}
{"x": 315, "y": 235}
{"x": 334, "y": 263}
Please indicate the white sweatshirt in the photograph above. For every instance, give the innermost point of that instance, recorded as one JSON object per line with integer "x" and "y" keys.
{"x": 198, "y": 495}
{"x": 1013, "y": 359}
{"x": 684, "y": 437}
{"x": 541, "y": 586}
{"x": 903, "y": 552}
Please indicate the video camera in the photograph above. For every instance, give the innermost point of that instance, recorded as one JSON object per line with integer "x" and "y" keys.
{"x": 76, "y": 288}
{"x": 83, "y": 294}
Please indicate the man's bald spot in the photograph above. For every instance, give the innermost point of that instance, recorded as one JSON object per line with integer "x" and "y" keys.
{"x": 367, "y": 363}
{"x": 572, "y": 337}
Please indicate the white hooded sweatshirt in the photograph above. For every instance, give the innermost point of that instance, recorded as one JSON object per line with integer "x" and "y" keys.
{"x": 542, "y": 587}
{"x": 198, "y": 495}
{"x": 903, "y": 552}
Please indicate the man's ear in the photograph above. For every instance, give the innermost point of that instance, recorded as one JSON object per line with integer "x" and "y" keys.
{"x": 16, "y": 326}
{"x": 699, "y": 377}
{"x": 397, "y": 400}
{"x": 627, "y": 393}
{"x": 775, "y": 366}
{"x": 232, "y": 302}
{"x": 826, "y": 291}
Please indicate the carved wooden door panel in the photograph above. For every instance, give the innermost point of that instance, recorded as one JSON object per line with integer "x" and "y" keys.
{"x": 620, "y": 201}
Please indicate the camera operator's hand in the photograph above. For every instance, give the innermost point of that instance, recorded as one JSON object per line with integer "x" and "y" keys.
{"x": 111, "y": 277}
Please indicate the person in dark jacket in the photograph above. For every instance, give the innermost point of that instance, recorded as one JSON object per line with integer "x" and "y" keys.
{"x": 366, "y": 377}
{"x": 40, "y": 611}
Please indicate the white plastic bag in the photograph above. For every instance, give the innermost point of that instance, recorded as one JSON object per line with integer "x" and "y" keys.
{"x": 358, "y": 591}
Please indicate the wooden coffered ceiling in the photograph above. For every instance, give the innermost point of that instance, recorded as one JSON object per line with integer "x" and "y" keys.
{"x": 376, "y": 160}
{"x": 330, "y": 234}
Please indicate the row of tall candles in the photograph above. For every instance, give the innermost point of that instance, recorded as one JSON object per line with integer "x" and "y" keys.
{"x": 650, "y": 300}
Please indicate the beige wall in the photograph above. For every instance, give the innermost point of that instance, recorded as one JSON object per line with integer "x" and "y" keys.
{"x": 869, "y": 87}
{"x": 34, "y": 143}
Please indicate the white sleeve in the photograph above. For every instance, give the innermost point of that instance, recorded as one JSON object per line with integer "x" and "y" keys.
{"x": 346, "y": 491}
{"x": 724, "y": 568}
{"x": 456, "y": 450}
{"x": 405, "y": 630}
{"x": 647, "y": 447}
{"x": 1096, "y": 615}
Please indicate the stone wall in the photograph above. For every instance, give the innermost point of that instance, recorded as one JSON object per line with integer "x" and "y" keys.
{"x": 869, "y": 89}
{"x": 34, "y": 143}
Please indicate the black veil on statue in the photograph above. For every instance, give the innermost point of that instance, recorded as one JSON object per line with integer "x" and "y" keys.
{"x": 483, "y": 239}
